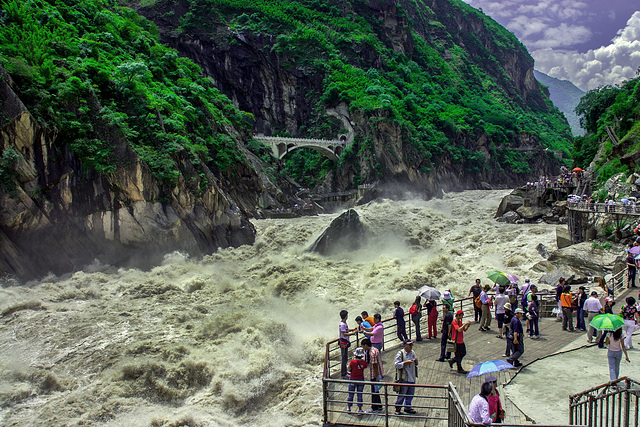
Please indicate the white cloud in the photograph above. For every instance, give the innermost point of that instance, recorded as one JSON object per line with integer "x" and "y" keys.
{"x": 606, "y": 65}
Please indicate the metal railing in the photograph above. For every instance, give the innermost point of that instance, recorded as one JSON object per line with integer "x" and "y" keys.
{"x": 429, "y": 399}
{"x": 617, "y": 282}
{"x": 625, "y": 208}
{"x": 614, "y": 404}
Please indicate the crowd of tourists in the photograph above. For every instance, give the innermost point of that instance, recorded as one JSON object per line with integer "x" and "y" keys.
{"x": 516, "y": 309}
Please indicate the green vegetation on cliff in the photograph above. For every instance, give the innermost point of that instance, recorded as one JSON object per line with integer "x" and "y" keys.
{"x": 97, "y": 73}
{"x": 415, "y": 72}
{"x": 617, "y": 107}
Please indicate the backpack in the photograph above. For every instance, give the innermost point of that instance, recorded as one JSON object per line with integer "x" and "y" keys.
{"x": 413, "y": 309}
{"x": 478, "y": 302}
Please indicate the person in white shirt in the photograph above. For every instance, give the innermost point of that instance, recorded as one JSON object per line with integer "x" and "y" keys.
{"x": 593, "y": 307}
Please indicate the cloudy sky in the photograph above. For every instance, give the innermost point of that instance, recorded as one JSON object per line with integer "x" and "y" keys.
{"x": 589, "y": 42}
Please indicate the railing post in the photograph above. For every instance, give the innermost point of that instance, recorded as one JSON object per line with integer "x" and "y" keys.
{"x": 325, "y": 398}
{"x": 590, "y": 421}
{"x": 386, "y": 406}
{"x": 627, "y": 403}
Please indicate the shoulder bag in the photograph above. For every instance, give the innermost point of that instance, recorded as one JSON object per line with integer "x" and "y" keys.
{"x": 397, "y": 387}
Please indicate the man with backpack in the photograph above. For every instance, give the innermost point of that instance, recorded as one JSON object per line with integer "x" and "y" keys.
{"x": 475, "y": 290}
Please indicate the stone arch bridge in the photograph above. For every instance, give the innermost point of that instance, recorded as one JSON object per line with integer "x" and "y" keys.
{"x": 281, "y": 146}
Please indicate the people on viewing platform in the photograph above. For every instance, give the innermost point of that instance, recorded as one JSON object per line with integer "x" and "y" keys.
{"x": 454, "y": 330}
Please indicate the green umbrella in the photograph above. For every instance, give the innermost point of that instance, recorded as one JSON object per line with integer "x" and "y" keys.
{"x": 498, "y": 277}
{"x": 607, "y": 322}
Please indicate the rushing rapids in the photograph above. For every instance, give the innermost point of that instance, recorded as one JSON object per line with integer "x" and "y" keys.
{"x": 237, "y": 337}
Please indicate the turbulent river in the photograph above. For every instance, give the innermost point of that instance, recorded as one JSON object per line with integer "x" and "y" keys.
{"x": 235, "y": 338}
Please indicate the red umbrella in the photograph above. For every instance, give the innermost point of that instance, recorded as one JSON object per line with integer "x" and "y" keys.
{"x": 576, "y": 170}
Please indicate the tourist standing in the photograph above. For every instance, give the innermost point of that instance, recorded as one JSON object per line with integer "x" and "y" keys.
{"x": 369, "y": 319}
{"x": 377, "y": 333}
{"x": 501, "y": 300}
{"x": 416, "y": 312}
{"x": 432, "y": 319}
{"x": 401, "y": 326}
{"x": 512, "y": 292}
{"x": 534, "y": 317}
{"x": 457, "y": 335}
{"x": 632, "y": 269}
{"x": 614, "y": 353}
{"x": 559, "y": 290}
{"x": 447, "y": 319}
{"x": 566, "y": 301}
{"x": 364, "y": 326}
{"x": 406, "y": 364}
{"x": 479, "y": 406}
{"x": 374, "y": 359}
{"x": 344, "y": 342}
{"x": 508, "y": 315}
{"x": 631, "y": 316}
{"x": 356, "y": 373}
{"x": 518, "y": 338}
{"x": 475, "y": 290}
{"x": 593, "y": 307}
{"x": 495, "y": 405}
{"x": 486, "y": 314}
{"x": 582, "y": 297}
{"x": 447, "y": 299}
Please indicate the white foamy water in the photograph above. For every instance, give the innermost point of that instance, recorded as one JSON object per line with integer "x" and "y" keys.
{"x": 237, "y": 337}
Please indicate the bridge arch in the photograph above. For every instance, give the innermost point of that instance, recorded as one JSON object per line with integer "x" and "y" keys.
{"x": 332, "y": 149}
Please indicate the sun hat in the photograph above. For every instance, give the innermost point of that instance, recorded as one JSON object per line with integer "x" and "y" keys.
{"x": 446, "y": 295}
{"x": 359, "y": 352}
{"x": 507, "y": 306}
{"x": 519, "y": 310}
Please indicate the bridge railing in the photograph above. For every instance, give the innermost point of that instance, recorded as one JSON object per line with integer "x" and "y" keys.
{"x": 299, "y": 140}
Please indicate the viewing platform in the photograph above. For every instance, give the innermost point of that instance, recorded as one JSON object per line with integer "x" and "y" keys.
{"x": 442, "y": 395}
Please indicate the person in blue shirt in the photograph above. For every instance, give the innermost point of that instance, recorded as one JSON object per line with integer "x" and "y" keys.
{"x": 401, "y": 326}
{"x": 518, "y": 338}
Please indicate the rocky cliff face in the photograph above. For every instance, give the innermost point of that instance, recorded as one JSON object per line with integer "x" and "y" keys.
{"x": 246, "y": 67}
{"x": 56, "y": 217}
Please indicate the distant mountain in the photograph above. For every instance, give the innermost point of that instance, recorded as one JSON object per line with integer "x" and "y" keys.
{"x": 565, "y": 95}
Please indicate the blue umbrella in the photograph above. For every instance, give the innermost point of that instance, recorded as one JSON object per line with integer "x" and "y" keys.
{"x": 489, "y": 367}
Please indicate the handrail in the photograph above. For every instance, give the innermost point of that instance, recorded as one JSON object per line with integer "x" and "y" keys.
{"x": 617, "y": 282}
{"x": 610, "y": 404}
{"x": 299, "y": 140}
{"x": 456, "y": 412}
{"x": 625, "y": 208}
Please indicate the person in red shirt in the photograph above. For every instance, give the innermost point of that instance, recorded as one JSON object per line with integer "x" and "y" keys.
{"x": 432, "y": 319}
{"x": 457, "y": 335}
{"x": 356, "y": 373}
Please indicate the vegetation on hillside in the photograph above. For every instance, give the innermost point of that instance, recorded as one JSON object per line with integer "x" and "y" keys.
{"x": 89, "y": 67}
{"x": 616, "y": 106}
{"x": 435, "y": 100}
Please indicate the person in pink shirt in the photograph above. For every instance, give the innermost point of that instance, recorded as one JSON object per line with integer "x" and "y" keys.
{"x": 377, "y": 332}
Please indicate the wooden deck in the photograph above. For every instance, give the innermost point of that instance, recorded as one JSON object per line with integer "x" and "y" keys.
{"x": 481, "y": 346}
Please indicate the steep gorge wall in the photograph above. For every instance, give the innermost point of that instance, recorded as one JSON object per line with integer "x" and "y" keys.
{"x": 246, "y": 68}
{"x": 57, "y": 218}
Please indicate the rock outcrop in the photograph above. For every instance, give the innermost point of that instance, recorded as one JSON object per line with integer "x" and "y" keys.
{"x": 345, "y": 233}
{"x": 57, "y": 217}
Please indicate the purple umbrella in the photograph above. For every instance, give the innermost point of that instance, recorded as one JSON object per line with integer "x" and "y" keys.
{"x": 634, "y": 250}
{"x": 512, "y": 278}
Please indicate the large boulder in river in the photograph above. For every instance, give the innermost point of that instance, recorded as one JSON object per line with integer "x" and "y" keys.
{"x": 533, "y": 213}
{"x": 344, "y": 233}
{"x": 510, "y": 202}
